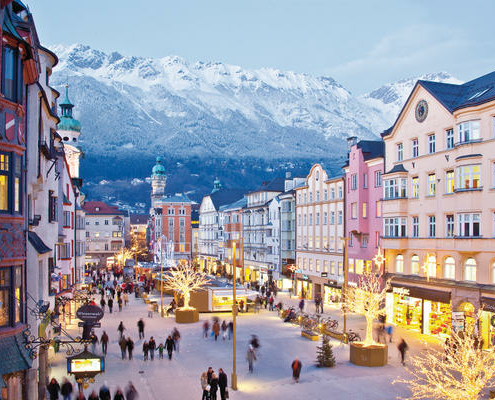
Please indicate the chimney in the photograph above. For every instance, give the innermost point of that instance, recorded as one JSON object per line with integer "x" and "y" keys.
{"x": 351, "y": 141}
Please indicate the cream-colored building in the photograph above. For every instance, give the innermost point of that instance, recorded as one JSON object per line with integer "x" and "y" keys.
{"x": 439, "y": 207}
{"x": 319, "y": 229}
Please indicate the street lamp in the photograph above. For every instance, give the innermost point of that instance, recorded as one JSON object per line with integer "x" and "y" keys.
{"x": 234, "y": 315}
{"x": 344, "y": 292}
{"x": 161, "y": 276}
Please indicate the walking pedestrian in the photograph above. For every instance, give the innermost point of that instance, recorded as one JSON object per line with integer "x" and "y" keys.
{"x": 126, "y": 298}
{"x": 123, "y": 346}
{"x": 176, "y": 338}
{"x": 222, "y": 384}
{"x": 130, "y": 347}
{"x": 402, "y": 346}
{"x": 301, "y": 305}
{"x": 146, "y": 348}
{"x": 160, "y": 351}
{"x": 209, "y": 373}
{"x": 80, "y": 395}
{"x": 110, "y": 304}
{"x": 105, "y": 392}
{"x": 104, "y": 343}
{"x": 296, "y": 369}
{"x": 213, "y": 386}
{"x": 205, "y": 386}
{"x": 94, "y": 341}
{"x": 102, "y": 303}
{"x": 66, "y": 389}
{"x": 389, "y": 332}
{"x": 119, "y": 302}
{"x": 170, "y": 346}
{"x": 224, "y": 330}
{"x": 250, "y": 357}
{"x": 118, "y": 395}
{"x": 231, "y": 329}
{"x": 270, "y": 302}
{"x": 206, "y": 328}
{"x": 241, "y": 306}
{"x": 321, "y": 306}
{"x": 93, "y": 396}
{"x": 131, "y": 392}
{"x": 121, "y": 329}
{"x": 53, "y": 389}
{"x": 216, "y": 329}
{"x": 152, "y": 347}
{"x": 140, "y": 325}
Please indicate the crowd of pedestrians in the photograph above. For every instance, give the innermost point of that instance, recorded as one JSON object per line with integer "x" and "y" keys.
{"x": 66, "y": 392}
{"x": 211, "y": 383}
{"x": 224, "y": 329}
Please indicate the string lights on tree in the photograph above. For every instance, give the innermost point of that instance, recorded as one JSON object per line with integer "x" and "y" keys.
{"x": 425, "y": 265}
{"x": 184, "y": 280}
{"x": 379, "y": 259}
{"x": 461, "y": 370}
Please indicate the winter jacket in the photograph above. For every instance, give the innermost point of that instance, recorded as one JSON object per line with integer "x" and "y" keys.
{"x": 169, "y": 344}
{"x": 118, "y": 396}
{"x": 214, "y": 385}
{"x": 66, "y": 389}
{"x": 204, "y": 381}
{"x": 216, "y": 328}
{"x": 140, "y": 325}
{"x": 152, "y": 344}
{"x": 222, "y": 380}
{"x": 104, "y": 338}
{"x": 130, "y": 345}
{"x": 53, "y": 389}
{"x": 105, "y": 393}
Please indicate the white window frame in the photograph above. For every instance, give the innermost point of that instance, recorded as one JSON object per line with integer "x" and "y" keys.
{"x": 467, "y": 222}
{"x": 449, "y": 268}
{"x": 468, "y": 131}
{"x": 415, "y": 148}
{"x": 468, "y": 174}
{"x": 470, "y": 270}
{"x": 432, "y": 226}
{"x": 399, "y": 152}
{"x": 431, "y": 144}
{"x": 449, "y": 138}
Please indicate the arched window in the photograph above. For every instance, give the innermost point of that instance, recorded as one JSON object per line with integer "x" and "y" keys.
{"x": 432, "y": 267}
{"x": 415, "y": 264}
{"x": 449, "y": 268}
{"x": 399, "y": 264}
{"x": 470, "y": 269}
{"x": 317, "y": 175}
{"x": 493, "y": 272}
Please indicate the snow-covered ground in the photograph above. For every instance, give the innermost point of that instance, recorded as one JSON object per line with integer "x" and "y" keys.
{"x": 280, "y": 344}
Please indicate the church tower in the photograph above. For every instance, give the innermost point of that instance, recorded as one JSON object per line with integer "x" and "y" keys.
{"x": 69, "y": 129}
{"x": 158, "y": 182}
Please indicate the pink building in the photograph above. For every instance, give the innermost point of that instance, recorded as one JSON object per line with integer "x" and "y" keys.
{"x": 363, "y": 173}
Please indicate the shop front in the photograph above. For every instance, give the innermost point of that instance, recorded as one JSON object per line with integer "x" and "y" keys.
{"x": 332, "y": 294}
{"x": 420, "y": 309}
{"x": 303, "y": 286}
{"x": 487, "y": 322}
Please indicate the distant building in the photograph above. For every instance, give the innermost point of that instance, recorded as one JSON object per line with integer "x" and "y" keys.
{"x": 138, "y": 226}
{"x": 231, "y": 218}
{"x": 195, "y": 231}
{"x": 158, "y": 182}
{"x": 104, "y": 232}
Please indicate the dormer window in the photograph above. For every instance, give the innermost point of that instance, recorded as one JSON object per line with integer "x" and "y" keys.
{"x": 97, "y": 209}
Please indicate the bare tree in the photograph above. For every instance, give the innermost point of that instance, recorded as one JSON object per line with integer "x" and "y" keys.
{"x": 185, "y": 279}
{"x": 460, "y": 370}
{"x": 367, "y": 299}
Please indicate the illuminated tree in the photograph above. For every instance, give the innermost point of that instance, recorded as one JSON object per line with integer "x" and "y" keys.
{"x": 368, "y": 299}
{"x": 122, "y": 255}
{"x": 184, "y": 279}
{"x": 462, "y": 370}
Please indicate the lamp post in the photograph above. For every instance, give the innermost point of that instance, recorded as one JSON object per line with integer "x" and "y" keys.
{"x": 234, "y": 315}
{"x": 161, "y": 276}
{"x": 345, "y": 239}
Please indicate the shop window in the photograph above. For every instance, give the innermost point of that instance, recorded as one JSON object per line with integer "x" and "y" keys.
{"x": 449, "y": 268}
{"x": 399, "y": 264}
{"x": 431, "y": 269}
{"x": 415, "y": 264}
{"x": 359, "y": 266}
{"x": 470, "y": 270}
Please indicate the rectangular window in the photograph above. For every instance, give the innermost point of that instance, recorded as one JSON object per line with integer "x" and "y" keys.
{"x": 106, "y": 222}
{"x": 468, "y": 131}
{"x": 449, "y": 137}
{"x": 415, "y": 187}
{"x": 116, "y": 234}
{"x": 431, "y": 226}
{"x": 365, "y": 211}
{"x": 341, "y": 268}
{"x": 350, "y": 265}
{"x": 378, "y": 208}
{"x": 4, "y": 181}
{"x": 415, "y": 148}
{"x": 469, "y": 225}
{"x": 340, "y": 217}
{"x": 67, "y": 219}
{"x": 364, "y": 241}
{"x": 395, "y": 188}
{"x": 378, "y": 178}
{"x": 305, "y": 220}
{"x": 317, "y": 195}
{"x": 449, "y": 182}
{"x": 449, "y": 226}
{"x": 332, "y": 267}
{"x": 332, "y": 191}
{"x": 5, "y": 287}
{"x": 431, "y": 144}
{"x": 317, "y": 218}
{"x": 9, "y": 73}
{"x": 310, "y": 218}
{"x": 469, "y": 177}
{"x": 394, "y": 227}
{"x": 415, "y": 227}
{"x": 354, "y": 181}
{"x": 354, "y": 210}
{"x": 325, "y": 242}
{"x": 17, "y": 192}
{"x": 317, "y": 265}
{"x": 325, "y": 218}
{"x": 365, "y": 181}
{"x": 432, "y": 185}
{"x": 400, "y": 152}
{"x": 340, "y": 192}
{"x": 332, "y": 217}
{"x": 52, "y": 207}
{"x": 325, "y": 195}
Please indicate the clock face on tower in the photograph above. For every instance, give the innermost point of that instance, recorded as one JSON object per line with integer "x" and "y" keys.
{"x": 421, "y": 110}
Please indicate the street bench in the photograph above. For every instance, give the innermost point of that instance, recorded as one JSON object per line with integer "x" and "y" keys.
{"x": 309, "y": 335}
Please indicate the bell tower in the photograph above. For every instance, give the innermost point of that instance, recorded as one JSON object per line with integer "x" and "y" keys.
{"x": 158, "y": 182}
{"x": 69, "y": 129}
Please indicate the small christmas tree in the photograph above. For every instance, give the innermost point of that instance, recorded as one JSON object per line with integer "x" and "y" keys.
{"x": 324, "y": 354}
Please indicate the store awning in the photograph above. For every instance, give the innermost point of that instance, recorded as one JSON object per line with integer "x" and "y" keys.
{"x": 38, "y": 243}
{"x": 13, "y": 355}
{"x": 422, "y": 292}
{"x": 488, "y": 303}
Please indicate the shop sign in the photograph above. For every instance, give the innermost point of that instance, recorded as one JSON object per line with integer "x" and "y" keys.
{"x": 89, "y": 313}
{"x": 85, "y": 365}
{"x": 324, "y": 274}
{"x": 263, "y": 270}
{"x": 305, "y": 277}
{"x": 401, "y": 291}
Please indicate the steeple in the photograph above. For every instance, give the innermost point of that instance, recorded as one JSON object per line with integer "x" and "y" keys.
{"x": 158, "y": 182}
{"x": 66, "y": 106}
{"x": 216, "y": 185}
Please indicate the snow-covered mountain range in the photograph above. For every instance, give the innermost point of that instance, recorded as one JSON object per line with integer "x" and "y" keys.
{"x": 134, "y": 108}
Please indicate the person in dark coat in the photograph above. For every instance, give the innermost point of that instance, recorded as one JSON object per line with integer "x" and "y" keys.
{"x": 104, "y": 342}
{"x": 222, "y": 383}
{"x": 123, "y": 347}
{"x": 140, "y": 325}
{"x": 105, "y": 392}
{"x": 66, "y": 389}
{"x": 110, "y": 304}
{"x": 102, "y": 303}
{"x": 152, "y": 347}
{"x": 130, "y": 347}
{"x": 170, "y": 346}
{"x": 402, "y": 349}
{"x": 131, "y": 392}
{"x": 54, "y": 389}
{"x": 213, "y": 386}
{"x": 119, "y": 302}
{"x": 121, "y": 329}
{"x": 118, "y": 395}
{"x": 146, "y": 348}
{"x": 296, "y": 369}
{"x": 93, "y": 396}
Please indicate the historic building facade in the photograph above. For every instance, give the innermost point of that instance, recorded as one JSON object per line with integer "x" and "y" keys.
{"x": 231, "y": 217}
{"x": 319, "y": 232}
{"x": 438, "y": 207}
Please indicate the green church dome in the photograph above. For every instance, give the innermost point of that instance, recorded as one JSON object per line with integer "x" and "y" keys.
{"x": 67, "y": 122}
{"x": 158, "y": 169}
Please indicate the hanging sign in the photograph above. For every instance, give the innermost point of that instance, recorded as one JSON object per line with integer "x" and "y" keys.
{"x": 89, "y": 313}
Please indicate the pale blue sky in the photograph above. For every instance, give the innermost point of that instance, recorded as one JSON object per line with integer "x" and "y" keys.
{"x": 362, "y": 44}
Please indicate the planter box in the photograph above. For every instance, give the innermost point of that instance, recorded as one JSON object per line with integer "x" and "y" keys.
{"x": 310, "y": 335}
{"x": 186, "y": 316}
{"x": 372, "y": 356}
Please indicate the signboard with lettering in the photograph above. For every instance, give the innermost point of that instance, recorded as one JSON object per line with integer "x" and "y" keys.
{"x": 400, "y": 290}
{"x": 89, "y": 313}
{"x": 86, "y": 365}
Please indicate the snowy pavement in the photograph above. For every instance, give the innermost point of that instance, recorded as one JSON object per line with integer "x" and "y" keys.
{"x": 280, "y": 344}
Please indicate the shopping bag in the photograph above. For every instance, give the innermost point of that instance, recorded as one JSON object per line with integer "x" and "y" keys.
{"x": 226, "y": 394}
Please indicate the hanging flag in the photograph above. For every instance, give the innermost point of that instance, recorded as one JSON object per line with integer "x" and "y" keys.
{"x": 9, "y": 126}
